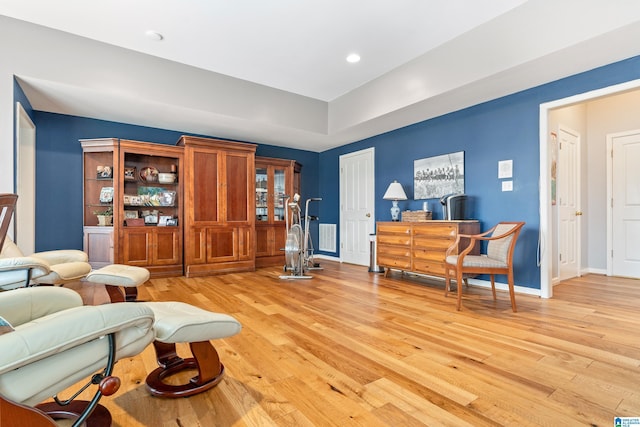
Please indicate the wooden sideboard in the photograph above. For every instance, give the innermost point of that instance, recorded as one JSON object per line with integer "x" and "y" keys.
{"x": 420, "y": 247}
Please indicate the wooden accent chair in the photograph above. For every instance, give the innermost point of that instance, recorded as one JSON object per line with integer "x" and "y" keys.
{"x": 7, "y": 206}
{"x": 498, "y": 259}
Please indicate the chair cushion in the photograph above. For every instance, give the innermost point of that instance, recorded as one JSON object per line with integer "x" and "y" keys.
{"x": 26, "y": 304}
{"x": 177, "y": 322}
{"x": 10, "y": 249}
{"x": 482, "y": 261}
{"x": 61, "y": 273}
{"x": 119, "y": 275}
{"x": 499, "y": 249}
{"x": 62, "y": 256}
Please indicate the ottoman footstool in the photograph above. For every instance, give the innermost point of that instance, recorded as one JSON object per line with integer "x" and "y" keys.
{"x": 117, "y": 276}
{"x": 177, "y": 322}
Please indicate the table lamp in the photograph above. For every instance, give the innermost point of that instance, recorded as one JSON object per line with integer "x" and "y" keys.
{"x": 395, "y": 193}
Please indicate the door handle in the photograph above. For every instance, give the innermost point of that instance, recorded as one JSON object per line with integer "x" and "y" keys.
{"x": 368, "y": 215}
{"x": 578, "y": 213}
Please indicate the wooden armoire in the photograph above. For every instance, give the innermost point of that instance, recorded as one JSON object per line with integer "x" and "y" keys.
{"x": 219, "y": 201}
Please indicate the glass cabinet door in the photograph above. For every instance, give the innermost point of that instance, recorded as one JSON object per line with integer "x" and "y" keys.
{"x": 279, "y": 185}
{"x": 262, "y": 199}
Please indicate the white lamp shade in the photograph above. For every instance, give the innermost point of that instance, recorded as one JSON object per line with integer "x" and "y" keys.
{"x": 395, "y": 192}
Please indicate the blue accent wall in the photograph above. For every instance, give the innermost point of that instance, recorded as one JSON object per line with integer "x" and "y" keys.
{"x": 505, "y": 128}
{"x": 59, "y": 170}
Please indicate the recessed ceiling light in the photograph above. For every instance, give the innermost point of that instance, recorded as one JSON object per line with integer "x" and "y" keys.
{"x": 154, "y": 35}
{"x": 353, "y": 58}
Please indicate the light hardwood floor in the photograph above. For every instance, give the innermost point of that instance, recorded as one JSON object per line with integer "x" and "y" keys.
{"x": 352, "y": 348}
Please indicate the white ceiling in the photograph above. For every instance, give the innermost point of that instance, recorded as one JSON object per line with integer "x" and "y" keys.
{"x": 275, "y": 71}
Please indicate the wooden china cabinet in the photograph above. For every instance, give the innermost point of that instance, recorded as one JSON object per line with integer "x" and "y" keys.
{"x": 219, "y": 206}
{"x": 275, "y": 179}
{"x": 145, "y": 191}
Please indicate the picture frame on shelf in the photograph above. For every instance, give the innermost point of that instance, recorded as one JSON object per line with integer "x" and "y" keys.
{"x": 172, "y": 222}
{"x": 150, "y": 217}
{"x": 130, "y": 173}
{"x": 163, "y": 219}
{"x": 128, "y": 214}
{"x": 106, "y": 195}
{"x": 104, "y": 172}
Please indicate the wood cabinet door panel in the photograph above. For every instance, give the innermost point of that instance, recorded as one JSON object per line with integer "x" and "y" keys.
{"x": 245, "y": 243}
{"x": 196, "y": 253}
{"x": 279, "y": 240}
{"x": 263, "y": 241}
{"x": 221, "y": 245}
{"x": 237, "y": 188}
{"x": 137, "y": 247}
{"x": 205, "y": 186}
{"x": 98, "y": 244}
{"x": 166, "y": 247}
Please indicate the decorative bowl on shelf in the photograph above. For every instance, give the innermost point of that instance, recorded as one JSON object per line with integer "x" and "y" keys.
{"x": 166, "y": 178}
{"x": 149, "y": 174}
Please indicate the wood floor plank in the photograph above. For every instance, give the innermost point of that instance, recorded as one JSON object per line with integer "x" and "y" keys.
{"x": 352, "y": 348}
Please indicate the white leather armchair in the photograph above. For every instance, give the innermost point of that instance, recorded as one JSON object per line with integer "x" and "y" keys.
{"x": 50, "y": 267}
{"x": 56, "y": 341}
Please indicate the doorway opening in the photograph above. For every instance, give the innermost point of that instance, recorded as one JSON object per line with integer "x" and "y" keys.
{"x": 547, "y": 253}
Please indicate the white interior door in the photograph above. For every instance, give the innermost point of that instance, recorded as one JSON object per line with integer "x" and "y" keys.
{"x": 624, "y": 217}
{"x": 569, "y": 203}
{"x": 357, "y": 205}
{"x": 25, "y": 215}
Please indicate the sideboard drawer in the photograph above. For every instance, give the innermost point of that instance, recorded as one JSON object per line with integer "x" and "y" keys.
{"x": 394, "y": 239}
{"x": 432, "y": 268}
{"x": 401, "y": 263}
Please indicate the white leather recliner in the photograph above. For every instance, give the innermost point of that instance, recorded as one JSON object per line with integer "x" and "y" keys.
{"x": 53, "y": 341}
{"x": 50, "y": 267}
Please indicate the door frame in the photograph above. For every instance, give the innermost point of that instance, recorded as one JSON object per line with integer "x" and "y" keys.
{"x": 24, "y": 222}
{"x": 370, "y": 151}
{"x": 545, "y": 249}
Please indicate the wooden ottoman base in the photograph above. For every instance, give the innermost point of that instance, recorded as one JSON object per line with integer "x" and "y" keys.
{"x": 177, "y": 322}
{"x": 206, "y": 361}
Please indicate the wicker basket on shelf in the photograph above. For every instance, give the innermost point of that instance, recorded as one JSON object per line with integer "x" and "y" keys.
{"x": 416, "y": 216}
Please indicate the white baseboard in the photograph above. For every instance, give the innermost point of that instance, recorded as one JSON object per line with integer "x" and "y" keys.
{"x": 504, "y": 287}
{"x": 327, "y": 257}
{"x": 602, "y": 271}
